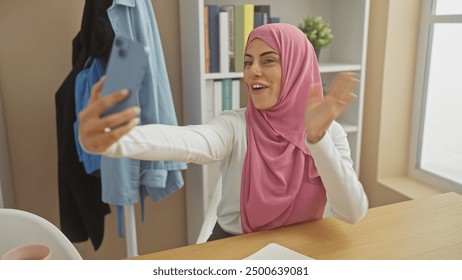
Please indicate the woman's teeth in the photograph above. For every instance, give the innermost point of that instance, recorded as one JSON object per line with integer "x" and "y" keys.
{"x": 258, "y": 87}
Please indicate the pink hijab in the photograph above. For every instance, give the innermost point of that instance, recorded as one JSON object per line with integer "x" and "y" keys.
{"x": 280, "y": 182}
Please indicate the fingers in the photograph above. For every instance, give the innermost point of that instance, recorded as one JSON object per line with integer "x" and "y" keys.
{"x": 97, "y": 134}
{"x": 121, "y": 130}
{"x": 96, "y": 89}
{"x": 102, "y": 104}
{"x": 91, "y": 125}
{"x": 98, "y": 104}
{"x": 118, "y": 120}
{"x": 342, "y": 87}
{"x": 348, "y": 98}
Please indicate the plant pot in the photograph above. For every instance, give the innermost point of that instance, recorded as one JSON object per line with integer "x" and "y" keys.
{"x": 318, "y": 53}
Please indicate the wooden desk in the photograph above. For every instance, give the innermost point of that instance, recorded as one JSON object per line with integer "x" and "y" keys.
{"x": 429, "y": 228}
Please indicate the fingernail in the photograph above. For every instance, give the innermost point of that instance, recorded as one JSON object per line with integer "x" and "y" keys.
{"x": 137, "y": 110}
{"x": 136, "y": 121}
{"x": 124, "y": 91}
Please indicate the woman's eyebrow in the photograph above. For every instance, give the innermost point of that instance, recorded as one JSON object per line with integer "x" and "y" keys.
{"x": 269, "y": 52}
{"x": 263, "y": 54}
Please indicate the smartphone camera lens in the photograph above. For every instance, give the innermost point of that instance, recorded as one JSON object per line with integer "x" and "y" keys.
{"x": 118, "y": 42}
{"x": 122, "y": 53}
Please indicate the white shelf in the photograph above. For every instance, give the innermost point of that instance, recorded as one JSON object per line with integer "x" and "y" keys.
{"x": 218, "y": 76}
{"x": 349, "y": 128}
{"x": 331, "y": 67}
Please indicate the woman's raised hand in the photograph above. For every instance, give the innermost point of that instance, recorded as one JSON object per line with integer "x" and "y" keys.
{"x": 319, "y": 113}
{"x": 97, "y": 133}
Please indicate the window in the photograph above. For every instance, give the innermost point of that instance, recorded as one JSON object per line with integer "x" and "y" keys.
{"x": 436, "y": 145}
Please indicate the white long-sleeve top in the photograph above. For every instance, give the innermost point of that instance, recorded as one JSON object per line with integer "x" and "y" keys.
{"x": 224, "y": 139}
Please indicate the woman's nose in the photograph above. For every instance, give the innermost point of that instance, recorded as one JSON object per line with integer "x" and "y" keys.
{"x": 255, "y": 69}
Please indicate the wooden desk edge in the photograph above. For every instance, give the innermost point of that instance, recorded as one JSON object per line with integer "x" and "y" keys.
{"x": 225, "y": 249}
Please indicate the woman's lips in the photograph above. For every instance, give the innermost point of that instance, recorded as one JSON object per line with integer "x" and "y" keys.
{"x": 258, "y": 88}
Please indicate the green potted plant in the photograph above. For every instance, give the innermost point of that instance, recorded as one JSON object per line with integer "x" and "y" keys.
{"x": 317, "y": 31}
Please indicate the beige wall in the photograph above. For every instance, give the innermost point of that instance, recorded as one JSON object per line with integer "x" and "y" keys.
{"x": 374, "y": 92}
{"x": 35, "y": 57}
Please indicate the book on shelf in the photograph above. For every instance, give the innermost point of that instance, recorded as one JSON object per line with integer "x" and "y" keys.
{"x": 226, "y": 95}
{"x": 236, "y": 94}
{"x": 209, "y": 112}
{"x": 262, "y": 14}
{"x": 206, "y": 39}
{"x": 275, "y": 20}
{"x": 223, "y": 32}
{"x": 227, "y": 28}
{"x": 220, "y": 95}
{"x": 257, "y": 19}
{"x": 248, "y": 20}
{"x": 230, "y": 10}
{"x": 243, "y": 25}
{"x": 214, "y": 39}
{"x": 217, "y": 93}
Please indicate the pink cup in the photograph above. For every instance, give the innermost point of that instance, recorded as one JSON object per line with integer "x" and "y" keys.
{"x": 29, "y": 252}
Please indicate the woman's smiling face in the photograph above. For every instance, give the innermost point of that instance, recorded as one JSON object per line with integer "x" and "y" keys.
{"x": 262, "y": 74}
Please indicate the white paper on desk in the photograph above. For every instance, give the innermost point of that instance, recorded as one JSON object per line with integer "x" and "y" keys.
{"x": 275, "y": 251}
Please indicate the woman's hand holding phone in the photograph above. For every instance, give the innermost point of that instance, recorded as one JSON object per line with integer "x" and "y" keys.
{"x": 98, "y": 133}
{"x": 112, "y": 110}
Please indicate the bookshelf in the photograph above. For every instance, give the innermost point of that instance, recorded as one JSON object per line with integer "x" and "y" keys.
{"x": 348, "y": 20}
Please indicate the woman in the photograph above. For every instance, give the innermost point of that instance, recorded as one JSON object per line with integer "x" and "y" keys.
{"x": 282, "y": 158}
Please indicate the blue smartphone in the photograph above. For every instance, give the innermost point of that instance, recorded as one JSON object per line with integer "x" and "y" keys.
{"x": 126, "y": 68}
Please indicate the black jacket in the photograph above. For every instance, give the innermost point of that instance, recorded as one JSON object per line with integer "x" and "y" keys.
{"x": 81, "y": 209}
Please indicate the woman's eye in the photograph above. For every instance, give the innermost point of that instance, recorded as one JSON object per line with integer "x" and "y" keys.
{"x": 247, "y": 63}
{"x": 268, "y": 61}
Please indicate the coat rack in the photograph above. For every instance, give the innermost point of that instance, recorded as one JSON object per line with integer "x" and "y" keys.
{"x": 130, "y": 231}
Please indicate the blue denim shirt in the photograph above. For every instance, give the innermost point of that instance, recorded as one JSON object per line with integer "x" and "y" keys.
{"x": 124, "y": 180}
{"x": 84, "y": 81}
